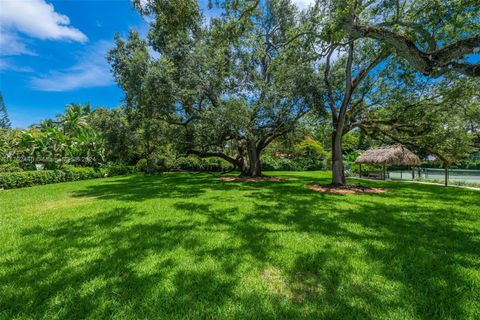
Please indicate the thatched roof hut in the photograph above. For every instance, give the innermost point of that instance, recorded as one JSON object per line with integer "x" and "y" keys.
{"x": 396, "y": 155}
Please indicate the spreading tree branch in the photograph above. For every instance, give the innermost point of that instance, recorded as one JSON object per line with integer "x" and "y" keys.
{"x": 206, "y": 154}
{"x": 331, "y": 99}
{"x": 433, "y": 63}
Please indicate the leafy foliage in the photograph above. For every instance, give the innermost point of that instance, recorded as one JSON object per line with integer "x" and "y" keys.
{"x": 11, "y": 180}
{"x": 231, "y": 86}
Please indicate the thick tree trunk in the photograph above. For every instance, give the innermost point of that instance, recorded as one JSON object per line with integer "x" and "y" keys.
{"x": 338, "y": 174}
{"x": 251, "y": 167}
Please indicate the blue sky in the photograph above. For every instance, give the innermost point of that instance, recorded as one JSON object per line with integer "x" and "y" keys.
{"x": 52, "y": 56}
{"x": 53, "y": 53}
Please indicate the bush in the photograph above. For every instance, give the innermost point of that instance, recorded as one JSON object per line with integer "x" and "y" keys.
{"x": 10, "y": 167}
{"x": 30, "y": 178}
{"x": 163, "y": 163}
{"x": 141, "y": 165}
{"x": 469, "y": 164}
{"x": 13, "y": 180}
{"x": 118, "y": 170}
{"x": 215, "y": 165}
{"x": 354, "y": 168}
{"x": 194, "y": 163}
{"x": 270, "y": 163}
{"x": 157, "y": 164}
{"x": 189, "y": 164}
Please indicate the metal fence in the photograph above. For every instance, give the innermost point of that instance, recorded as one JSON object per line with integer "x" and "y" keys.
{"x": 436, "y": 174}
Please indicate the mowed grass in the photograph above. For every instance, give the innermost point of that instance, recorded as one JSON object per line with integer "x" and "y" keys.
{"x": 188, "y": 246}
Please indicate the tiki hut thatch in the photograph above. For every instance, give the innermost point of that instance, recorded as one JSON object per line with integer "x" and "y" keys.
{"x": 397, "y": 155}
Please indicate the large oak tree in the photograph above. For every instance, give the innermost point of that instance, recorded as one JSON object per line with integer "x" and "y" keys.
{"x": 230, "y": 84}
{"x": 431, "y": 37}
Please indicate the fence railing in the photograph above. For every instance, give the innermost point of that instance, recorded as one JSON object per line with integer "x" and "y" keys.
{"x": 436, "y": 174}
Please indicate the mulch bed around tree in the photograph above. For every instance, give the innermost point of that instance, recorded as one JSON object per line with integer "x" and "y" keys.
{"x": 347, "y": 189}
{"x": 255, "y": 179}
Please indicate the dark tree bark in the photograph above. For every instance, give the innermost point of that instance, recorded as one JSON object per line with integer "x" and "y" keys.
{"x": 446, "y": 175}
{"x": 247, "y": 160}
{"x": 252, "y": 167}
{"x": 339, "y": 115}
{"x": 248, "y": 153}
{"x": 255, "y": 167}
{"x": 338, "y": 172}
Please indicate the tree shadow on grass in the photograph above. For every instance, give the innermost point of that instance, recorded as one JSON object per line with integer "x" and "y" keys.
{"x": 426, "y": 253}
{"x": 138, "y": 188}
{"x": 374, "y": 258}
{"x": 429, "y": 255}
{"x": 106, "y": 265}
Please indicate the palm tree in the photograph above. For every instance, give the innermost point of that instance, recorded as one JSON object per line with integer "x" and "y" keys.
{"x": 74, "y": 119}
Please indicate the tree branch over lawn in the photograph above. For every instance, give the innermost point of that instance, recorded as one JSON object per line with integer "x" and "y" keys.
{"x": 208, "y": 154}
{"x": 433, "y": 63}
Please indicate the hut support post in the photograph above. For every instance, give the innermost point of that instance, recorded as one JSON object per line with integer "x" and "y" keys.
{"x": 384, "y": 172}
{"x": 413, "y": 173}
{"x": 360, "y": 170}
{"x": 446, "y": 175}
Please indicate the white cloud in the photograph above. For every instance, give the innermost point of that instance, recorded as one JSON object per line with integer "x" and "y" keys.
{"x": 91, "y": 70}
{"x": 37, "y": 19}
{"x": 6, "y": 65}
{"x": 11, "y": 45}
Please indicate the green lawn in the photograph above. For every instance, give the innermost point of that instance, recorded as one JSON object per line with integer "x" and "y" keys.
{"x": 188, "y": 246}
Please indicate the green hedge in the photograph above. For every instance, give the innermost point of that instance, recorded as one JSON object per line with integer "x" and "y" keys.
{"x": 10, "y": 167}
{"x": 285, "y": 164}
{"x": 13, "y": 180}
{"x": 193, "y": 163}
{"x": 118, "y": 170}
{"x": 156, "y": 164}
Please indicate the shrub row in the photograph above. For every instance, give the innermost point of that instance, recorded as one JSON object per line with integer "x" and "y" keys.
{"x": 190, "y": 163}
{"x": 10, "y": 167}
{"x": 286, "y": 164}
{"x": 11, "y": 180}
{"x": 194, "y": 163}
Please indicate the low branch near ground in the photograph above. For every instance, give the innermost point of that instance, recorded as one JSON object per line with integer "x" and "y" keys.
{"x": 208, "y": 154}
